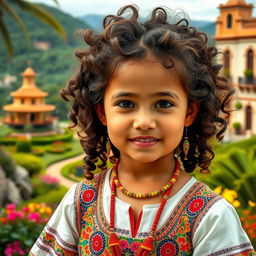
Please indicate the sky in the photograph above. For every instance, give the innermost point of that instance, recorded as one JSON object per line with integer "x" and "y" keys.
{"x": 196, "y": 9}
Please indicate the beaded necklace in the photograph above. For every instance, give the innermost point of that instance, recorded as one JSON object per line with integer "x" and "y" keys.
{"x": 146, "y": 195}
{"x": 147, "y": 246}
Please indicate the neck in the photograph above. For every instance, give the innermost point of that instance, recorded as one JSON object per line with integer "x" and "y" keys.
{"x": 160, "y": 169}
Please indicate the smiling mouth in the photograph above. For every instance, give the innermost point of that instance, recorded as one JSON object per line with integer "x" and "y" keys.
{"x": 144, "y": 141}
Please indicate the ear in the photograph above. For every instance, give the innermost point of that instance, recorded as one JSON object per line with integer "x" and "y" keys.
{"x": 192, "y": 111}
{"x": 101, "y": 114}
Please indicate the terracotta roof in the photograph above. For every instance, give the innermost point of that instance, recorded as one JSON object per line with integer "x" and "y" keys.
{"x": 235, "y": 2}
{"x": 28, "y": 108}
{"x": 28, "y": 87}
{"x": 29, "y": 92}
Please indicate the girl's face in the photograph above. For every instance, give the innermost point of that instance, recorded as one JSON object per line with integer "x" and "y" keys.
{"x": 145, "y": 110}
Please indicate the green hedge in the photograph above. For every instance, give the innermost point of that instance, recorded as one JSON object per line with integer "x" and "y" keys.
{"x": 67, "y": 137}
{"x": 31, "y": 163}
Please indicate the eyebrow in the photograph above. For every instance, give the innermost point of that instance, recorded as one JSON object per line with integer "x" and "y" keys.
{"x": 159, "y": 94}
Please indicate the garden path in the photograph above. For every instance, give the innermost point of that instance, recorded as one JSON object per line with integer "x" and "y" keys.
{"x": 54, "y": 170}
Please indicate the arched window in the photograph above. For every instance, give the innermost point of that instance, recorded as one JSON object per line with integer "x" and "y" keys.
{"x": 248, "y": 117}
{"x": 249, "y": 57}
{"x": 229, "y": 21}
{"x": 227, "y": 60}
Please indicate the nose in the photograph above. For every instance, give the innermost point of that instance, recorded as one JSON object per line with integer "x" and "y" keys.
{"x": 144, "y": 121}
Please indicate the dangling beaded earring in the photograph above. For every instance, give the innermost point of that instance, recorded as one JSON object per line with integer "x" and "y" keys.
{"x": 108, "y": 146}
{"x": 186, "y": 144}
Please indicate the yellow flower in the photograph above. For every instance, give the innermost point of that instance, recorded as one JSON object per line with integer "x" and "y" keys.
{"x": 218, "y": 190}
{"x": 42, "y": 210}
{"x": 48, "y": 210}
{"x": 32, "y": 207}
{"x": 236, "y": 204}
{"x": 251, "y": 203}
{"x": 229, "y": 195}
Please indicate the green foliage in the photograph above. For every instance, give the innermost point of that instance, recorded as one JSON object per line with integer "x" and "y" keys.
{"x": 44, "y": 183}
{"x": 30, "y": 162}
{"x": 24, "y": 146}
{"x": 55, "y": 65}
{"x": 238, "y": 105}
{"x": 69, "y": 170}
{"x": 38, "y": 151}
{"x": 237, "y": 125}
{"x": 66, "y": 137}
{"x": 7, "y": 163}
{"x": 235, "y": 170}
{"x": 58, "y": 147}
{"x": 248, "y": 73}
{"x": 19, "y": 228}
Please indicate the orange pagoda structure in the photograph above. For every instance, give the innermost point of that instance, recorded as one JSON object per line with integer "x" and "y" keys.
{"x": 28, "y": 107}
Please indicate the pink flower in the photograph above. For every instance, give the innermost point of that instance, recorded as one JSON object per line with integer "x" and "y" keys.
{"x": 135, "y": 246}
{"x": 33, "y": 216}
{"x": 12, "y": 216}
{"x": 10, "y": 207}
{"x": 123, "y": 244}
{"x": 13, "y": 248}
{"x": 25, "y": 209}
{"x": 48, "y": 179}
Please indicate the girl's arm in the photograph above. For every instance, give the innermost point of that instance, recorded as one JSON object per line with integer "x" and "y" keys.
{"x": 220, "y": 233}
{"x": 60, "y": 235}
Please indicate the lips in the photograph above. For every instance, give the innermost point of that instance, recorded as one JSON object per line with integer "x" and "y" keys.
{"x": 144, "y": 141}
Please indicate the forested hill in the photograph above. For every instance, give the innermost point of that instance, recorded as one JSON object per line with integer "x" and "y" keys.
{"x": 54, "y": 66}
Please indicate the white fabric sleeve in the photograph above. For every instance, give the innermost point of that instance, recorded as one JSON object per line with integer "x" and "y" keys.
{"x": 61, "y": 228}
{"x": 220, "y": 233}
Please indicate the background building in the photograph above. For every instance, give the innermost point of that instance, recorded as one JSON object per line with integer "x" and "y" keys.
{"x": 236, "y": 38}
{"x": 28, "y": 107}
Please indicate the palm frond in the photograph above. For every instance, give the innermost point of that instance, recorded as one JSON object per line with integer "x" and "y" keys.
{"x": 41, "y": 14}
{"x": 12, "y": 13}
{"x": 6, "y": 39}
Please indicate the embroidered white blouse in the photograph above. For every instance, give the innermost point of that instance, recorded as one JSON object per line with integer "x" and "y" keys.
{"x": 219, "y": 232}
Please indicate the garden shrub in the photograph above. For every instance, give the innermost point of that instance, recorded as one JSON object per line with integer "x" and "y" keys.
{"x": 7, "y": 163}
{"x": 37, "y": 151}
{"x": 44, "y": 183}
{"x": 58, "y": 147}
{"x": 24, "y": 146}
{"x": 19, "y": 228}
{"x": 236, "y": 171}
{"x": 30, "y": 162}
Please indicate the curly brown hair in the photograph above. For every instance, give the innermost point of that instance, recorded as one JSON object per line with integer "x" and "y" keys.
{"x": 174, "y": 44}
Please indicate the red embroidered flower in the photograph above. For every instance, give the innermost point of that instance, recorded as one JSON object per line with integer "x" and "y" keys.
{"x": 135, "y": 246}
{"x": 167, "y": 247}
{"x": 88, "y": 196}
{"x": 123, "y": 244}
{"x": 97, "y": 243}
{"x": 195, "y": 205}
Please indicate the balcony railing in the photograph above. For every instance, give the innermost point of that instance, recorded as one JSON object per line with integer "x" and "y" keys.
{"x": 247, "y": 80}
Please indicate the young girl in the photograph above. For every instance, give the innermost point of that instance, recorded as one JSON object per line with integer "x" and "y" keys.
{"x": 148, "y": 97}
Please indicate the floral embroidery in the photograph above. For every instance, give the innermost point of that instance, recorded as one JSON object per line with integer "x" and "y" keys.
{"x": 49, "y": 243}
{"x": 97, "y": 243}
{"x": 167, "y": 247}
{"x": 174, "y": 238}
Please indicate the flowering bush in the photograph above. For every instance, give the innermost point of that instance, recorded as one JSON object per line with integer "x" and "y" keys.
{"x": 44, "y": 183}
{"x": 248, "y": 220}
{"x": 229, "y": 195}
{"x": 19, "y": 228}
{"x": 58, "y": 147}
{"x": 247, "y": 216}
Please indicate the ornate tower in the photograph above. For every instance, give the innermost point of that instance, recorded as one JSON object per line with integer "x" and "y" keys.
{"x": 28, "y": 105}
{"x": 236, "y": 38}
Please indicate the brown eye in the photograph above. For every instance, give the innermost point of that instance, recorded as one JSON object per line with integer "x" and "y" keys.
{"x": 164, "y": 104}
{"x": 125, "y": 104}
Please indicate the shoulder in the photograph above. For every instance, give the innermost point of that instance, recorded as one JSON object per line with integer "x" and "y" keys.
{"x": 219, "y": 230}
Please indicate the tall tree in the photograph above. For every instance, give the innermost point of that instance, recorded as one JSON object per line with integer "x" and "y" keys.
{"x": 32, "y": 8}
